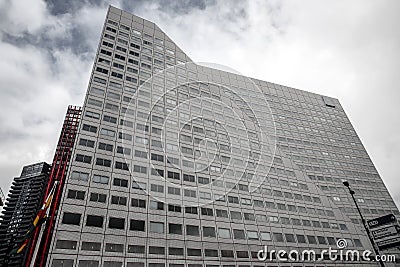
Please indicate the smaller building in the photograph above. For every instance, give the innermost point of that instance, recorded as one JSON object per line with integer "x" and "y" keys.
{"x": 21, "y": 206}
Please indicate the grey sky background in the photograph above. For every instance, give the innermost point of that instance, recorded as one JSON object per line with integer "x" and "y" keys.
{"x": 344, "y": 49}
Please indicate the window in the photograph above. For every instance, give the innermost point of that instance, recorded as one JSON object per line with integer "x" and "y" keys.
{"x": 321, "y": 240}
{"x": 246, "y": 201}
{"x": 140, "y": 154}
{"x": 232, "y": 199}
{"x": 221, "y": 213}
{"x": 235, "y": 215}
{"x": 96, "y": 197}
{"x": 121, "y": 166}
{"x": 194, "y": 252}
{"x": 91, "y": 246}
{"x": 174, "y": 190}
{"x": 258, "y": 203}
{"x": 139, "y": 185}
{"x": 204, "y": 195}
{"x": 157, "y": 172}
{"x": 227, "y": 254}
{"x": 192, "y": 210}
{"x": 62, "y": 263}
{"x": 249, "y": 216}
{"x": 107, "y": 132}
{"x": 116, "y": 223}
{"x": 110, "y": 247}
{"x": 311, "y": 239}
{"x": 188, "y": 178}
{"x": 156, "y": 205}
{"x": 157, "y": 188}
{"x": 80, "y": 176}
{"x": 86, "y": 142}
{"x": 91, "y": 114}
{"x": 207, "y": 212}
{"x": 66, "y": 244}
{"x": 123, "y": 150}
{"x": 189, "y": 193}
{"x": 203, "y": 180}
{"x": 120, "y": 182}
{"x": 140, "y": 169}
{"x": 94, "y": 221}
{"x": 139, "y": 203}
{"x": 137, "y": 225}
{"x": 224, "y": 233}
{"x": 156, "y": 250}
{"x": 174, "y": 208}
{"x": 265, "y": 236}
{"x": 211, "y": 253}
{"x": 192, "y": 230}
{"x": 239, "y": 234}
{"x": 109, "y": 119}
{"x": 100, "y": 179}
{"x": 112, "y": 264}
{"x": 89, "y": 128}
{"x": 252, "y": 235}
{"x": 88, "y": 263}
{"x": 118, "y": 200}
{"x": 75, "y": 194}
{"x": 71, "y": 218}
{"x": 301, "y": 239}
{"x": 103, "y": 162}
{"x": 175, "y": 251}
{"x": 173, "y": 175}
{"x": 208, "y": 231}
{"x": 157, "y": 227}
{"x": 278, "y": 237}
{"x": 290, "y": 238}
{"x": 175, "y": 228}
{"x": 136, "y": 249}
{"x": 125, "y": 136}
{"x": 106, "y": 147}
{"x": 83, "y": 158}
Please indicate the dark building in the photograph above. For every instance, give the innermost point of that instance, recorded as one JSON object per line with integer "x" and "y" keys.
{"x": 22, "y": 204}
{"x": 27, "y": 195}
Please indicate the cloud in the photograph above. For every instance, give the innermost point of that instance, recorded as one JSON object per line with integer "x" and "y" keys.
{"x": 343, "y": 49}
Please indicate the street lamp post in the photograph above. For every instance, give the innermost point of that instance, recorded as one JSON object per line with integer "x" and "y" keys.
{"x": 346, "y": 183}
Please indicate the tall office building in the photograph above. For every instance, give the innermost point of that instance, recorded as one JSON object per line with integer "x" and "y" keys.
{"x": 177, "y": 164}
{"x": 22, "y": 204}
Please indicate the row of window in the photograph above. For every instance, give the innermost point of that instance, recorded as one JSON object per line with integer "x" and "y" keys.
{"x": 191, "y": 230}
{"x": 95, "y": 263}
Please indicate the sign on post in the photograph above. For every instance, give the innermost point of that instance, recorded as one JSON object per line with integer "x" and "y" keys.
{"x": 385, "y": 231}
{"x": 390, "y": 218}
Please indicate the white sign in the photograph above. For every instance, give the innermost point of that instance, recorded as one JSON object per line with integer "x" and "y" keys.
{"x": 385, "y": 232}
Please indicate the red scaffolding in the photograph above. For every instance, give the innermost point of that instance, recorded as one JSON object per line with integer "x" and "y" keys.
{"x": 58, "y": 173}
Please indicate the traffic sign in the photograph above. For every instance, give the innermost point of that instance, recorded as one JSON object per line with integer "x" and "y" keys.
{"x": 390, "y": 218}
{"x": 385, "y": 231}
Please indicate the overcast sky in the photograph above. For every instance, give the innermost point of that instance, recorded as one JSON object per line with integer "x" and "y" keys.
{"x": 344, "y": 49}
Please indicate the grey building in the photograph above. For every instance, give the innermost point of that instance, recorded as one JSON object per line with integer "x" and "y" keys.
{"x": 177, "y": 164}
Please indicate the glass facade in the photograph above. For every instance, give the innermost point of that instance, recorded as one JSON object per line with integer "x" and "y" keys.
{"x": 177, "y": 164}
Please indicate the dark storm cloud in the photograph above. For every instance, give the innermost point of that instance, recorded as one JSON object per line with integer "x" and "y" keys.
{"x": 169, "y": 7}
{"x": 61, "y": 7}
